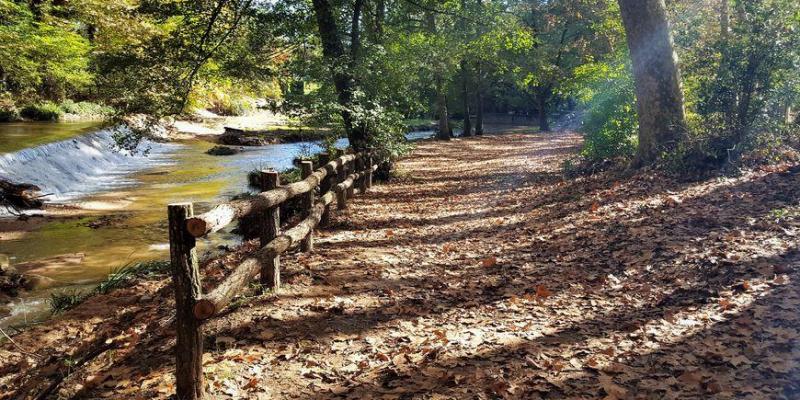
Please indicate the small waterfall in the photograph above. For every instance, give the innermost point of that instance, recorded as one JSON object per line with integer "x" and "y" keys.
{"x": 83, "y": 165}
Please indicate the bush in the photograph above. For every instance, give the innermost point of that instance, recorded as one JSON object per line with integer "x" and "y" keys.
{"x": 8, "y": 114}
{"x": 231, "y": 105}
{"x": 222, "y": 151}
{"x": 46, "y": 111}
{"x": 611, "y": 122}
{"x": 8, "y": 110}
{"x": 85, "y": 108}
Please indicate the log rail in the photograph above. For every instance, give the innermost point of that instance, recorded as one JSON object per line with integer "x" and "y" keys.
{"x": 336, "y": 180}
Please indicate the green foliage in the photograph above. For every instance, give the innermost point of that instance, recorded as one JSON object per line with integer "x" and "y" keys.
{"x": 222, "y": 151}
{"x": 8, "y": 108}
{"x": 86, "y": 108}
{"x": 740, "y": 82}
{"x": 47, "y": 111}
{"x": 64, "y": 301}
{"x": 611, "y": 123}
{"x": 44, "y": 58}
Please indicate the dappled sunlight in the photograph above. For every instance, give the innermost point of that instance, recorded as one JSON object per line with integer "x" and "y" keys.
{"x": 505, "y": 280}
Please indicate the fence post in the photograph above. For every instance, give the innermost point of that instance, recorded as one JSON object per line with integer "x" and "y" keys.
{"x": 370, "y": 160}
{"x": 324, "y": 188}
{"x": 306, "y": 169}
{"x": 270, "y": 228}
{"x": 341, "y": 196}
{"x": 362, "y": 168}
{"x": 186, "y": 279}
{"x": 352, "y": 169}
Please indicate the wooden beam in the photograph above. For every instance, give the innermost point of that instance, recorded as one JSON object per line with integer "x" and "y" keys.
{"x": 341, "y": 195}
{"x": 324, "y": 188}
{"x": 223, "y": 214}
{"x": 233, "y": 285}
{"x": 270, "y": 228}
{"x": 186, "y": 279}
{"x": 308, "y": 207}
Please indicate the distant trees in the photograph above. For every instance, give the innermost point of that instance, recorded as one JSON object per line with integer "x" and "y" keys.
{"x": 342, "y": 65}
{"x": 154, "y": 56}
{"x": 662, "y": 118}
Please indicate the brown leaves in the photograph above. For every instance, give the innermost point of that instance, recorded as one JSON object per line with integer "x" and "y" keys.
{"x": 489, "y": 262}
{"x": 542, "y": 292}
{"x": 682, "y": 290}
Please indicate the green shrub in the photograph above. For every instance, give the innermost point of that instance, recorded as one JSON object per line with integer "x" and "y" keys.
{"x": 46, "y": 111}
{"x": 222, "y": 151}
{"x": 8, "y": 109}
{"x": 8, "y": 114}
{"x": 611, "y": 123}
{"x": 85, "y": 108}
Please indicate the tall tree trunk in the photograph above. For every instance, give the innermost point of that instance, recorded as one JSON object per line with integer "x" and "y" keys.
{"x": 443, "y": 132}
{"x": 441, "y": 110}
{"x": 786, "y": 110}
{"x": 333, "y": 50}
{"x": 724, "y": 21}
{"x": 479, "y": 82}
{"x": 465, "y": 97}
{"x": 748, "y": 86}
{"x": 465, "y": 72}
{"x": 662, "y": 119}
{"x": 544, "y": 125}
{"x": 380, "y": 19}
{"x": 479, "y": 109}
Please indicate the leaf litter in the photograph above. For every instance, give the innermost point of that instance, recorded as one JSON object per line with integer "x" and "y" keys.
{"x": 480, "y": 273}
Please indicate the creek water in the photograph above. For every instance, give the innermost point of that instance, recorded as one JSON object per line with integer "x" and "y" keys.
{"x": 122, "y": 199}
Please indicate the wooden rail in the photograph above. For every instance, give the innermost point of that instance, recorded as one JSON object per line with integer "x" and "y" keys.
{"x": 336, "y": 181}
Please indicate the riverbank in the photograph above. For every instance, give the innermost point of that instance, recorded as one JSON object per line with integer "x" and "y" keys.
{"x": 480, "y": 271}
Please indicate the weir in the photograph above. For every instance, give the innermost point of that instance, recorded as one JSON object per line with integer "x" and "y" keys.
{"x": 82, "y": 165}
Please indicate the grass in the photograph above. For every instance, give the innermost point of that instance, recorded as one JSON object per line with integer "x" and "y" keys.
{"x": 119, "y": 277}
{"x": 63, "y": 301}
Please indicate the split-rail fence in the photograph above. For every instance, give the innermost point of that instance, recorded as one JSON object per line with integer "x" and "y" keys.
{"x": 333, "y": 180}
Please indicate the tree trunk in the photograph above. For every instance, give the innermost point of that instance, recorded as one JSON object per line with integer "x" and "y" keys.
{"x": 443, "y": 132}
{"x": 465, "y": 97}
{"x": 544, "y": 125}
{"x": 662, "y": 119}
{"x": 479, "y": 84}
{"x": 744, "y": 114}
{"x": 441, "y": 110}
{"x": 333, "y": 50}
{"x": 724, "y": 21}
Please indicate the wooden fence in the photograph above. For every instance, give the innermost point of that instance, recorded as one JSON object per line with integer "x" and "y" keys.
{"x": 337, "y": 178}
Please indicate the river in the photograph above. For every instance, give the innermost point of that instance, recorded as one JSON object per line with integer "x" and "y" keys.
{"x": 120, "y": 201}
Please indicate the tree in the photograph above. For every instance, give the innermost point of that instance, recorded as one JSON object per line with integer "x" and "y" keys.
{"x": 342, "y": 64}
{"x": 662, "y": 119}
{"x": 569, "y": 34}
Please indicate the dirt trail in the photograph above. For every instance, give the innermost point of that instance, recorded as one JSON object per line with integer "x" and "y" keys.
{"x": 481, "y": 272}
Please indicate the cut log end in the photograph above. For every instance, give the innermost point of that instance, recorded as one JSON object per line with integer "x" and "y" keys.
{"x": 204, "y": 309}
{"x": 197, "y": 227}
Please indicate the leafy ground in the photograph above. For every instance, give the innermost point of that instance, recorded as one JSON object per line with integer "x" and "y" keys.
{"x": 482, "y": 273}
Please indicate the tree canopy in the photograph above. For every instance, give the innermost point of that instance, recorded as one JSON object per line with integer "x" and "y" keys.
{"x": 364, "y": 66}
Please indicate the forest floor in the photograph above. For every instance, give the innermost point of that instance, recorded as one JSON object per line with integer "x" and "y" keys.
{"x": 480, "y": 273}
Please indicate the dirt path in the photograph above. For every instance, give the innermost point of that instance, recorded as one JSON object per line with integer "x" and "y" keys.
{"x": 482, "y": 273}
